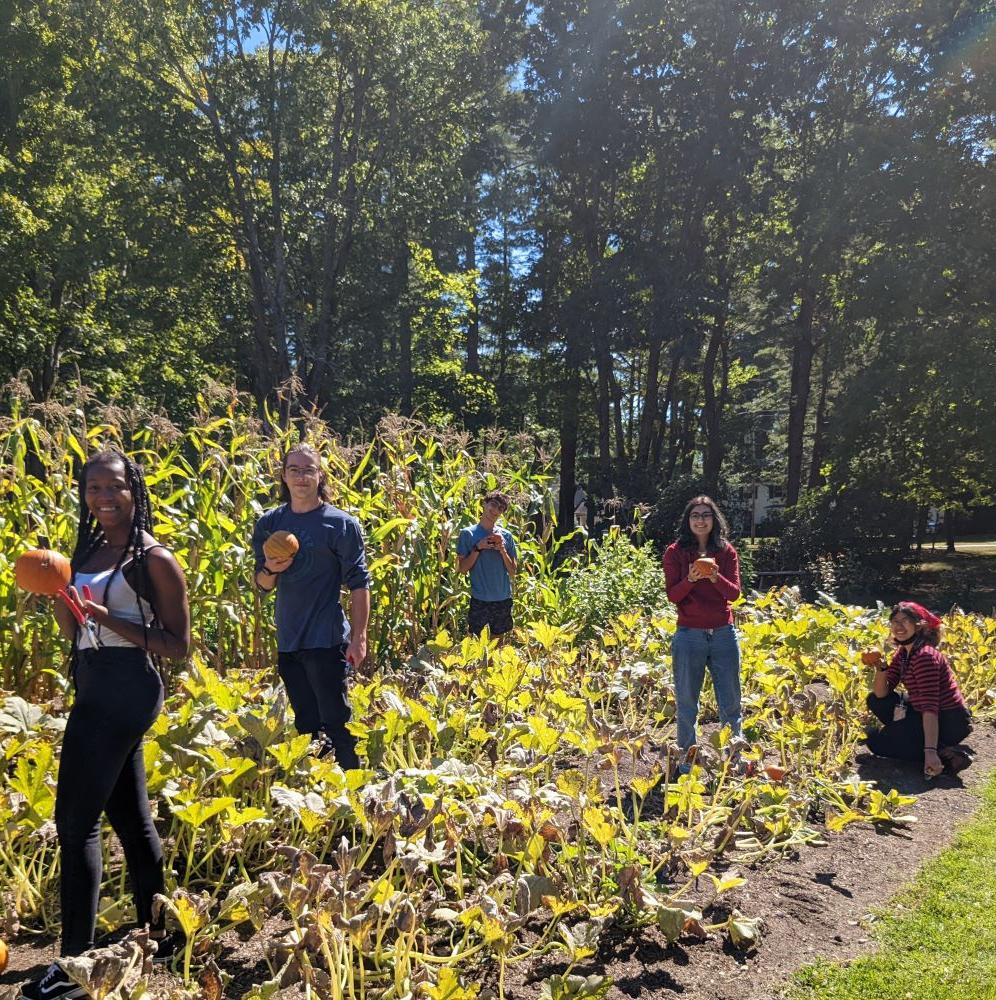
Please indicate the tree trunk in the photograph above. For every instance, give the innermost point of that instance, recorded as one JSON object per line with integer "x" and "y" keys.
{"x": 617, "y": 415}
{"x": 688, "y": 428}
{"x": 802, "y": 362}
{"x": 474, "y": 326}
{"x": 667, "y": 411}
{"x": 712, "y": 409}
{"x": 603, "y": 363}
{"x": 820, "y": 431}
{"x": 921, "y": 528}
{"x": 406, "y": 372}
{"x": 651, "y": 390}
{"x": 569, "y": 440}
{"x": 949, "y": 529}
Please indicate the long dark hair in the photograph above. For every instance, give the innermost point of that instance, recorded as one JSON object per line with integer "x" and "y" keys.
{"x": 720, "y": 529}
{"x": 323, "y": 480}
{"x": 90, "y": 535}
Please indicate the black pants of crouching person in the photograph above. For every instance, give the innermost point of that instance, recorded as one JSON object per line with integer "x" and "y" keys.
{"x": 316, "y": 686}
{"x": 102, "y": 770}
{"x": 904, "y": 739}
{"x": 497, "y": 615}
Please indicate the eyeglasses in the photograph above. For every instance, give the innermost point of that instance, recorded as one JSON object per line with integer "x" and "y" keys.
{"x": 700, "y": 516}
{"x": 305, "y": 473}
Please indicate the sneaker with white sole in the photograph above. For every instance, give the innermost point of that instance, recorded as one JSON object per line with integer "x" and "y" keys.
{"x": 54, "y": 984}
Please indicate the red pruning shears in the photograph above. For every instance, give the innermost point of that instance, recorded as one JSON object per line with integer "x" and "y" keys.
{"x": 80, "y": 614}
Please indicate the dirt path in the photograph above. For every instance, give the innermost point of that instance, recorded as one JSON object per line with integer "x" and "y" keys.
{"x": 816, "y": 905}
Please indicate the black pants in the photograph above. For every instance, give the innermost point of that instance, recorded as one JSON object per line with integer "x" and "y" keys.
{"x": 497, "y": 615}
{"x": 102, "y": 769}
{"x": 904, "y": 739}
{"x": 316, "y": 685}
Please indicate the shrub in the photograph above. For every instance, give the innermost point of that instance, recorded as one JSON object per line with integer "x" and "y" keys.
{"x": 619, "y": 577}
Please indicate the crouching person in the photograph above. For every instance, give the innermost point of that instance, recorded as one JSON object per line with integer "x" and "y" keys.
{"x": 926, "y": 722}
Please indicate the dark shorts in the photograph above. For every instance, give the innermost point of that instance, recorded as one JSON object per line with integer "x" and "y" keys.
{"x": 497, "y": 615}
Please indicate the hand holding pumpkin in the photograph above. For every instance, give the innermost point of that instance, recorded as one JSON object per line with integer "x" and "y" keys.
{"x": 703, "y": 568}
{"x": 280, "y": 549}
{"x": 42, "y": 571}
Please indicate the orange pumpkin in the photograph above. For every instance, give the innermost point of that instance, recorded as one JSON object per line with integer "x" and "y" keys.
{"x": 42, "y": 571}
{"x": 775, "y": 773}
{"x": 281, "y": 545}
{"x": 4, "y": 956}
{"x": 871, "y": 658}
{"x": 706, "y": 566}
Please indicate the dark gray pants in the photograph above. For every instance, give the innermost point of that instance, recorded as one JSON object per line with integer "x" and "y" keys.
{"x": 316, "y": 685}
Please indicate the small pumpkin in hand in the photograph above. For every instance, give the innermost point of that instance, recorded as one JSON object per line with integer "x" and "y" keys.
{"x": 42, "y": 571}
{"x": 706, "y": 566}
{"x": 871, "y": 658}
{"x": 281, "y": 545}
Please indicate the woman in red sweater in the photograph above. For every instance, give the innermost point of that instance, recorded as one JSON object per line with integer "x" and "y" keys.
{"x": 705, "y": 636}
{"x": 925, "y": 723}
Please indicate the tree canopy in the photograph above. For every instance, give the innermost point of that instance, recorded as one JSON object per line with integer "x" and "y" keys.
{"x": 744, "y": 242}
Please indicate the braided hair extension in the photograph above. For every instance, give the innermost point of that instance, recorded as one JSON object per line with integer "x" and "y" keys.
{"x": 90, "y": 535}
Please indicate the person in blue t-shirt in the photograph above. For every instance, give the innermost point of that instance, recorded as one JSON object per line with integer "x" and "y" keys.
{"x": 487, "y": 553}
{"x": 315, "y": 642}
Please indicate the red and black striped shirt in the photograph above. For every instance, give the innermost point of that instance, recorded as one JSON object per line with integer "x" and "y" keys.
{"x": 927, "y": 676}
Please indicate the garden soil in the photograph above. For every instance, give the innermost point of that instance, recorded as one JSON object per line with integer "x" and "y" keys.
{"x": 818, "y": 904}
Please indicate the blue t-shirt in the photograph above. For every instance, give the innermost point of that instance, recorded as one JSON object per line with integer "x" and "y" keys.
{"x": 489, "y": 579}
{"x": 331, "y": 556}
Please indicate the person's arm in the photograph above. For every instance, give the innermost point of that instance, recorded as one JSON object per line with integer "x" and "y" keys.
{"x": 729, "y": 584}
{"x": 359, "y": 617}
{"x": 466, "y": 560}
{"x": 267, "y": 570}
{"x": 508, "y": 558}
{"x": 932, "y": 763}
{"x": 928, "y": 670}
{"x": 169, "y": 589}
{"x": 677, "y": 585}
{"x": 267, "y": 574}
{"x": 880, "y": 682}
{"x": 64, "y": 618}
{"x": 355, "y": 576}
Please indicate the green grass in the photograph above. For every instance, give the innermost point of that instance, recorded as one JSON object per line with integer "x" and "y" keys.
{"x": 939, "y": 940}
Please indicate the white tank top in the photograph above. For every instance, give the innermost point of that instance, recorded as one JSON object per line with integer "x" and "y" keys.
{"x": 120, "y": 601}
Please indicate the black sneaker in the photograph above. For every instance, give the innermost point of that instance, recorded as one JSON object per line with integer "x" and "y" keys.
{"x": 167, "y": 948}
{"x": 53, "y": 985}
{"x": 955, "y": 759}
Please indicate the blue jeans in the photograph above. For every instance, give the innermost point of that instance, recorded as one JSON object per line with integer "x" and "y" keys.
{"x": 692, "y": 649}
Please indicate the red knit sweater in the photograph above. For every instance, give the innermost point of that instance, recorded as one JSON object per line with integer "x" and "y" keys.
{"x": 703, "y": 604}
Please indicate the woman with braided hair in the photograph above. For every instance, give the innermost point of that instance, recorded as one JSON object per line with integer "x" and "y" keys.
{"x": 139, "y": 604}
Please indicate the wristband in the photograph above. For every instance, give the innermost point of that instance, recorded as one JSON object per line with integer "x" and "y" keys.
{"x": 925, "y": 749}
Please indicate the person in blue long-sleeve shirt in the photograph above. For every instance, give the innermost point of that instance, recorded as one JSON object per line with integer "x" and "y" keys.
{"x": 316, "y": 643}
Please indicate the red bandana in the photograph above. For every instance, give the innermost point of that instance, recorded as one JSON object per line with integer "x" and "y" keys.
{"x": 922, "y": 613}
